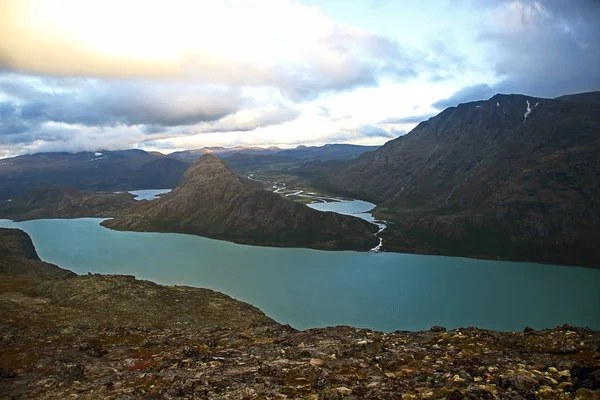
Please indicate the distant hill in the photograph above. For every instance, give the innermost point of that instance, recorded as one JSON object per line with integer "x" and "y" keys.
{"x": 213, "y": 201}
{"x": 327, "y": 152}
{"x": 104, "y": 171}
{"x": 239, "y": 161}
{"x": 63, "y": 202}
{"x": 223, "y": 152}
{"x": 514, "y": 177}
{"x": 303, "y": 153}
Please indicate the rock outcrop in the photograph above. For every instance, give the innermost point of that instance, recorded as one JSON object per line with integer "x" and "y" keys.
{"x": 213, "y": 201}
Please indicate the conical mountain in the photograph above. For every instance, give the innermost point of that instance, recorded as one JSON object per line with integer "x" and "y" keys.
{"x": 213, "y": 201}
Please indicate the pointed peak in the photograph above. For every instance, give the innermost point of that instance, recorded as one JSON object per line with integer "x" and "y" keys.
{"x": 208, "y": 167}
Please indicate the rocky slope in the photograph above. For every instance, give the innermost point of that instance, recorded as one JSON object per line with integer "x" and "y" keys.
{"x": 61, "y": 202}
{"x": 212, "y": 201}
{"x": 94, "y": 337}
{"x": 99, "y": 171}
{"x": 513, "y": 177}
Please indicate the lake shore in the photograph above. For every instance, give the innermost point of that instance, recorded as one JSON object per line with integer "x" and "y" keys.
{"x": 381, "y": 291}
{"x": 66, "y": 338}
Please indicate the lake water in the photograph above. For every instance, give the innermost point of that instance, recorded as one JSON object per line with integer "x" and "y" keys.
{"x": 148, "y": 194}
{"x": 310, "y": 288}
{"x": 357, "y": 208}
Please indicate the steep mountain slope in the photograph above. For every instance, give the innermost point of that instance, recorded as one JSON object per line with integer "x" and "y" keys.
{"x": 212, "y": 201}
{"x": 61, "y": 202}
{"x": 107, "y": 170}
{"x": 513, "y": 177}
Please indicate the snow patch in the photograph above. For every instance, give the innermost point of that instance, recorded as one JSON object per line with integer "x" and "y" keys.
{"x": 497, "y": 104}
{"x": 98, "y": 156}
{"x": 527, "y": 112}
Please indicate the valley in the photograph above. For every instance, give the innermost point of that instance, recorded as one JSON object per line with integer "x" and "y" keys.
{"x": 300, "y": 199}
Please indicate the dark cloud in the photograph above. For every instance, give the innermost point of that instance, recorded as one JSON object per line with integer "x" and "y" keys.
{"x": 374, "y": 131}
{"x": 252, "y": 120}
{"x": 398, "y": 132}
{"x": 409, "y": 119}
{"x": 81, "y": 114}
{"x": 470, "y": 93}
{"x": 95, "y": 103}
{"x": 352, "y": 135}
{"x": 539, "y": 48}
{"x": 10, "y": 120}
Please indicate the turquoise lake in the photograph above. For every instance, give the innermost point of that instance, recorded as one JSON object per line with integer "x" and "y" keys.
{"x": 311, "y": 288}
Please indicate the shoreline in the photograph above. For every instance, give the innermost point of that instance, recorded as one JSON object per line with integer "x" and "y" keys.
{"x": 113, "y": 336}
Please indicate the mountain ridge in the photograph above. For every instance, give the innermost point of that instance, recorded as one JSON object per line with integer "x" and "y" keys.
{"x": 301, "y": 152}
{"x": 515, "y": 176}
{"x": 99, "y": 171}
{"x": 211, "y": 200}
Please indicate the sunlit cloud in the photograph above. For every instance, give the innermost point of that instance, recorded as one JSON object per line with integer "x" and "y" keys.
{"x": 89, "y": 75}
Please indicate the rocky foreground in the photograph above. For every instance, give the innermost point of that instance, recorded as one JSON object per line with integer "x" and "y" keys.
{"x": 64, "y": 336}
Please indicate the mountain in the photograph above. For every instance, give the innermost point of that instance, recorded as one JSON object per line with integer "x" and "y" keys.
{"x": 212, "y": 201}
{"x": 105, "y": 171}
{"x": 240, "y": 161}
{"x": 513, "y": 177}
{"x": 223, "y": 152}
{"x": 327, "y": 152}
{"x": 301, "y": 153}
{"x": 588, "y": 97}
{"x": 62, "y": 202}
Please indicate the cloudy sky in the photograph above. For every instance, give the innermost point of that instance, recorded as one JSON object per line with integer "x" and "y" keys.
{"x": 168, "y": 75}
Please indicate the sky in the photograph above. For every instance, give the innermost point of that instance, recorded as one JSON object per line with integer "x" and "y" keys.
{"x": 182, "y": 74}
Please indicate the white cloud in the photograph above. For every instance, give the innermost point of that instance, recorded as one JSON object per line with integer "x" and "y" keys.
{"x": 209, "y": 41}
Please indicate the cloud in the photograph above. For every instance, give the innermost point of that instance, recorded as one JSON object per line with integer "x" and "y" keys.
{"x": 398, "y": 132}
{"x": 324, "y": 112}
{"x": 539, "y": 48}
{"x": 207, "y": 42}
{"x": 78, "y": 114}
{"x": 363, "y": 132}
{"x": 373, "y": 131}
{"x": 249, "y": 120}
{"x": 409, "y": 119}
{"x": 470, "y": 93}
{"x": 97, "y": 103}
